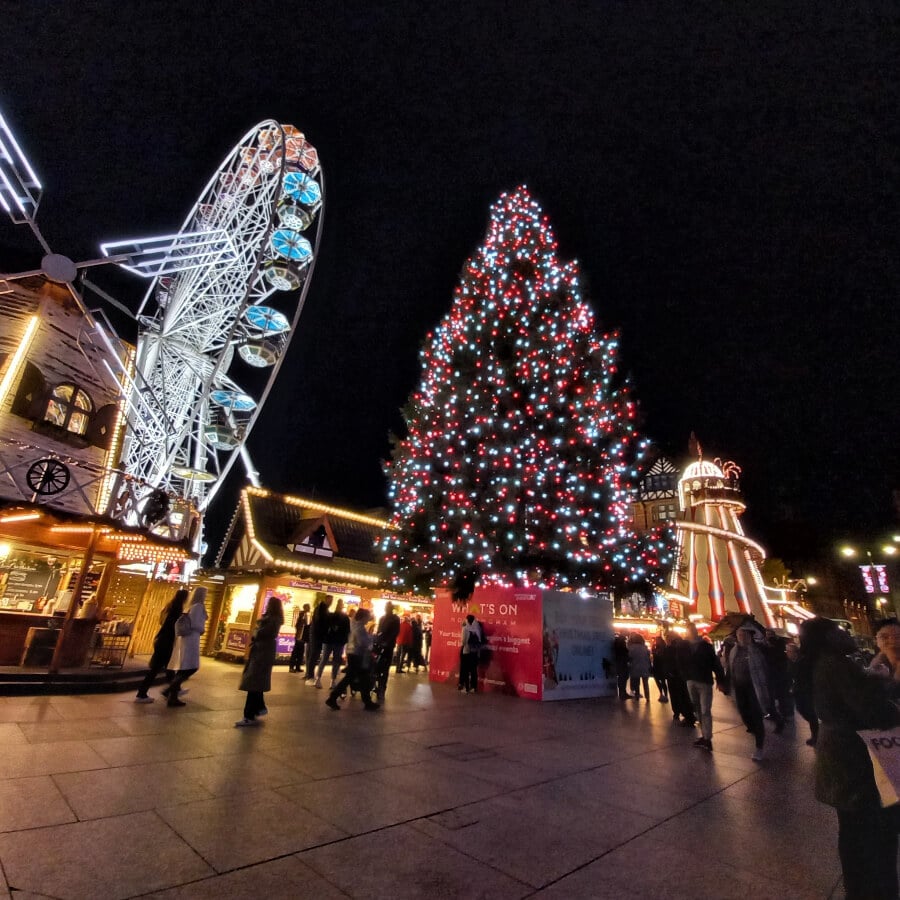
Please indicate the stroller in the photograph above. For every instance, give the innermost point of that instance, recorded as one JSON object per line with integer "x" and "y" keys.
{"x": 367, "y": 678}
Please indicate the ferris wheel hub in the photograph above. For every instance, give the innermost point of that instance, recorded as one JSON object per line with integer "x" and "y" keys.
{"x": 59, "y": 268}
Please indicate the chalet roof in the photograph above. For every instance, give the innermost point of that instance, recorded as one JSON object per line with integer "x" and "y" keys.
{"x": 276, "y": 522}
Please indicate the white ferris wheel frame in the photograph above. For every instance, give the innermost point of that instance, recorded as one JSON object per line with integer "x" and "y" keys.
{"x": 191, "y": 322}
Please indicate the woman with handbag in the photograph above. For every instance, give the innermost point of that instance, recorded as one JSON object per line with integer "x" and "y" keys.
{"x": 848, "y": 700}
{"x": 163, "y": 643}
{"x": 256, "y": 679}
{"x": 185, "y": 659}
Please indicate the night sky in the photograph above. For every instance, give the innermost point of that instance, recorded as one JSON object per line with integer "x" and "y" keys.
{"x": 728, "y": 180}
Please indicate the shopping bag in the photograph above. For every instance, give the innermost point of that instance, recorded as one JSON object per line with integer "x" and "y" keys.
{"x": 884, "y": 751}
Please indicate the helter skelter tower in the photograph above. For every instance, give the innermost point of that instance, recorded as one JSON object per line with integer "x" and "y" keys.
{"x": 717, "y": 565}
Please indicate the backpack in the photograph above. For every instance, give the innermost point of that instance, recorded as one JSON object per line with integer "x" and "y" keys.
{"x": 473, "y": 640}
{"x": 183, "y": 625}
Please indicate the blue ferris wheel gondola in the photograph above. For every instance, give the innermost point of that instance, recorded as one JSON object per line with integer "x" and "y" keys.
{"x": 233, "y": 400}
{"x": 266, "y": 319}
{"x": 291, "y": 245}
{"x": 302, "y": 188}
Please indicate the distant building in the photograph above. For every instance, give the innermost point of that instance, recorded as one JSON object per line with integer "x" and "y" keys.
{"x": 70, "y": 524}
{"x": 656, "y": 499}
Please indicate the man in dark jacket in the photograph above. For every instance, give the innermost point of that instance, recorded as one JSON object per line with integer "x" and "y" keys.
{"x": 318, "y": 628}
{"x": 620, "y": 661}
{"x": 385, "y": 641}
{"x": 682, "y": 707}
{"x": 700, "y": 665}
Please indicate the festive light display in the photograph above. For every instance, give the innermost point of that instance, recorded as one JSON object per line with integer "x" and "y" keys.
{"x": 522, "y": 448}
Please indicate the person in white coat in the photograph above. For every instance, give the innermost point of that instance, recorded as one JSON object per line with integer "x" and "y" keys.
{"x": 186, "y": 655}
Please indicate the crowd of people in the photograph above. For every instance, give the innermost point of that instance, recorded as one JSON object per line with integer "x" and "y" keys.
{"x": 769, "y": 677}
{"x": 823, "y": 677}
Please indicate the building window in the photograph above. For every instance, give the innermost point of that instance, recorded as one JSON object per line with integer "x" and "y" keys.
{"x": 68, "y": 408}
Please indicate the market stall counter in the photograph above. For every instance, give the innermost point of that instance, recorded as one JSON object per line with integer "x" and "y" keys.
{"x": 28, "y": 639}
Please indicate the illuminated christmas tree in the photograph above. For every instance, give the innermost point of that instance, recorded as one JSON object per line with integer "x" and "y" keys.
{"x": 521, "y": 447}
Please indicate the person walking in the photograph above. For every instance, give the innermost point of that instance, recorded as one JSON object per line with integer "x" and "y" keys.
{"x": 318, "y": 626}
{"x": 337, "y": 633}
{"x": 620, "y": 661}
{"x": 359, "y": 664}
{"x": 301, "y": 639}
{"x": 404, "y": 644}
{"x": 163, "y": 643}
{"x": 186, "y": 654}
{"x": 256, "y": 679}
{"x": 638, "y": 666}
{"x": 427, "y": 629}
{"x": 847, "y": 700}
{"x": 385, "y": 642}
{"x": 660, "y": 673}
{"x": 747, "y": 679}
{"x": 677, "y": 653}
{"x": 801, "y": 688}
{"x": 471, "y": 642}
{"x": 702, "y": 665}
{"x": 416, "y": 654}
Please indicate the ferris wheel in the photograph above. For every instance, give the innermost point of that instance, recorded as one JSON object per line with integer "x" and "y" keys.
{"x": 214, "y": 326}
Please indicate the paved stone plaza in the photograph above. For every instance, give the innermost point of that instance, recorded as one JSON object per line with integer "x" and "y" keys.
{"x": 438, "y": 795}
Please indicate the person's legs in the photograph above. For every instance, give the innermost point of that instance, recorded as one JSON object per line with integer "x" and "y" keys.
{"x": 471, "y": 663}
{"x": 622, "y": 684}
{"x": 701, "y": 700}
{"x": 172, "y": 691}
{"x": 298, "y": 656}
{"x": 363, "y": 682}
{"x": 328, "y": 653}
{"x": 661, "y": 687}
{"x": 867, "y": 846}
{"x": 646, "y": 683}
{"x": 253, "y": 704}
{"x": 341, "y": 686}
{"x": 336, "y": 659}
{"x": 750, "y": 712}
{"x": 382, "y": 671}
{"x": 149, "y": 678}
{"x": 312, "y": 660}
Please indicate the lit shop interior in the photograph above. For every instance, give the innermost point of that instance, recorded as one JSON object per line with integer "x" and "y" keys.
{"x": 244, "y": 601}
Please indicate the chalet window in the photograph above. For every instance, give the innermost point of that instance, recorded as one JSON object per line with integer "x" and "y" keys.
{"x": 68, "y": 408}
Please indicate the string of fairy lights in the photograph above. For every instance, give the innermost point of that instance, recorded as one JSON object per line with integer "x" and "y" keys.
{"x": 522, "y": 449}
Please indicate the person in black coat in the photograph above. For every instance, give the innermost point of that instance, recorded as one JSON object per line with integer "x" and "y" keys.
{"x": 620, "y": 661}
{"x": 301, "y": 639}
{"x": 800, "y": 674}
{"x": 847, "y": 700}
{"x": 163, "y": 643}
{"x": 682, "y": 708}
{"x": 256, "y": 679}
{"x": 386, "y": 641}
{"x": 659, "y": 668}
{"x": 317, "y": 630}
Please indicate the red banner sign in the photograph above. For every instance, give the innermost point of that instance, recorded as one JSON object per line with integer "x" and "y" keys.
{"x": 511, "y": 621}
